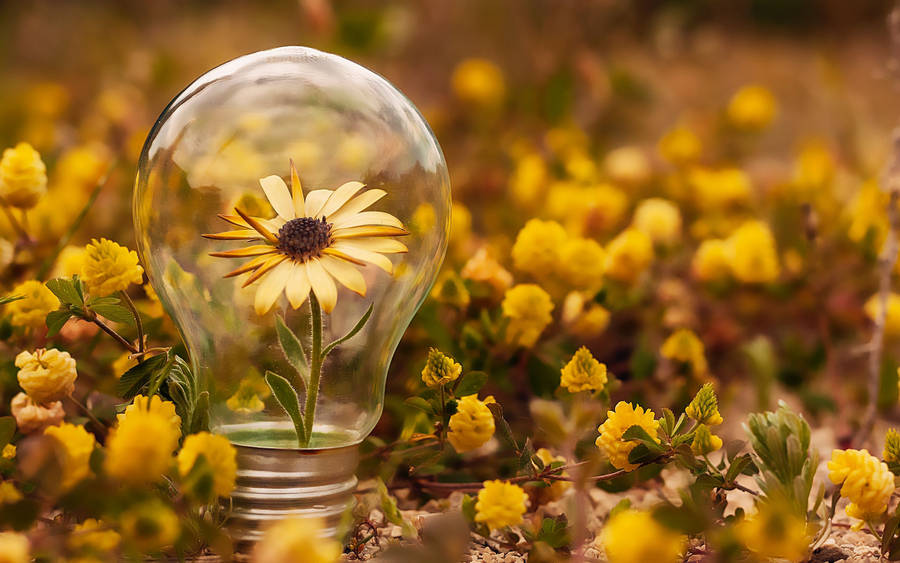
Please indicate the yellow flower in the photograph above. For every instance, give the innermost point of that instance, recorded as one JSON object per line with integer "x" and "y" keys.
{"x": 557, "y": 488}
{"x": 868, "y": 214}
{"x": 9, "y": 493}
{"x": 583, "y": 373}
{"x": 628, "y": 255}
{"x": 46, "y": 375}
{"x": 23, "y": 176}
{"x": 537, "y": 247}
{"x": 704, "y": 408}
{"x": 479, "y": 81}
{"x": 720, "y": 189}
{"x": 891, "y": 446}
{"x": 439, "y": 369}
{"x": 753, "y": 254}
{"x": 82, "y": 166}
{"x": 472, "y": 425}
{"x": 704, "y": 441}
{"x": 712, "y": 261}
{"x": 775, "y": 533}
{"x": 297, "y": 540}
{"x": 528, "y": 308}
{"x": 813, "y": 169}
{"x": 31, "y": 417}
{"x": 153, "y": 405}
{"x": 69, "y": 262}
{"x": 14, "y": 548}
{"x": 753, "y": 107}
{"x": 500, "y": 504}
{"x": 865, "y": 481}
{"x": 449, "y": 289}
{"x": 312, "y": 242}
{"x": 587, "y": 210}
{"x": 620, "y": 539}
{"x": 892, "y": 317}
{"x": 75, "y": 447}
{"x": 627, "y": 165}
{"x": 33, "y": 309}
{"x": 139, "y": 450}
{"x": 610, "y": 440}
{"x": 680, "y": 146}
{"x": 658, "y": 218}
{"x": 93, "y": 536}
{"x": 109, "y": 267}
{"x": 220, "y": 458}
{"x": 249, "y": 396}
{"x": 150, "y": 525}
{"x": 483, "y": 268}
{"x": 581, "y": 264}
{"x": 684, "y": 346}
{"x": 8, "y": 452}
{"x": 528, "y": 180}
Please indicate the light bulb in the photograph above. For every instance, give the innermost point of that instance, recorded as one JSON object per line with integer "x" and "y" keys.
{"x": 355, "y": 238}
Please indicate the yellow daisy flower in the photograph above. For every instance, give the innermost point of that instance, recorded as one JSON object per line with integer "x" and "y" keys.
{"x": 312, "y": 242}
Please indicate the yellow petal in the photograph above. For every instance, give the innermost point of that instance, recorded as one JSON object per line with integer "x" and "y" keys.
{"x": 264, "y": 268}
{"x": 322, "y": 285}
{"x": 297, "y": 193}
{"x": 297, "y": 288}
{"x": 278, "y": 195}
{"x": 367, "y": 218}
{"x": 251, "y": 265}
{"x": 346, "y": 273}
{"x": 234, "y": 220}
{"x": 370, "y": 231}
{"x": 357, "y": 204}
{"x": 255, "y": 250}
{"x": 271, "y": 287}
{"x": 339, "y": 197}
{"x": 381, "y": 244}
{"x": 257, "y": 226}
{"x": 347, "y": 247}
{"x": 338, "y": 254}
{"x": 242, "y": 234}
{"x": 315, "y": 200}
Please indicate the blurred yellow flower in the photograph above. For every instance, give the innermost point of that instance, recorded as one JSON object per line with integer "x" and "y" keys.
{"x": 753, "y": 107}
{"x": 150, "y": 525}
{"x": 109, "y": 267}
{"x": 297, "y": 540}
{"x": 46, "y": 99}
{"x": 628, "y": 255}
{"x": 8, "y": 451}
{"x": 775, "y": 532}
{"x": 868, "y": 214}
{"x": 483, "y": 268}
{"x": 31, "y": 417}
{"x": 46, "y": 375}
{"x": 891, "y": 446}
{"x": 627, "y": 165}
{"x": 479, "y": 81}
{"x": 864, "y": 479}
{"x": 892, "y": 316}
{"x": 814, "y": 168}
{"x": 31, "y": 311}
{"x": 450, "y": 289}
{"x": 472, "y": 425}
{"x": 528, "y": 308}
{"x": 619, "y": 539}
{"x": 94, "y": 537}
{"x": 680, "y": 146}
{"x": 528, "y": 180}
{"x": 439, "y": 369}
{"x": 557, "y": 488}
{"x": 594, "y": 209}
{"x": 82, "y": 166}
{"x": 720, "y": 189}
{"x": 23, "y": 176}
{"x": 249, "y": 396}
{"x": 704, "y": 441}
{"x": 75, "y": 447}
{"x": 610, "y": 441}
{"x": 133, "y": 458}
{"x": 581, "y": 264}
{"x": 684, "y": 346}
{"x": 460, "y": 225}
{"x": 753, "y": 253}
{"x": 220, "y": 458}
{"x": 154, "y": 405}
{"x": 704, "y": 407}
{"x": 9, "y": 493}
{"x": 580, "y": 166}
{"x": 14, "y": 548}
{"x": 658, "y": 218}
{"x": 537, "y": 247}
{"x": 69, "y": 262}
{"x": 712, "y": 261}
{"x": 583, "y": 373}
{"x": 500, "y": 504}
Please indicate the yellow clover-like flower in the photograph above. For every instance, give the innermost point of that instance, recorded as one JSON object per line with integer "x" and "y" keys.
{"x": 75, "y": 444}
{"x": 753, "y": 253}
{"x": 155, "y": 405}
{"x": 500, "y": 504}
{"x": 478, "y": 81}
{"x": 753, "y": 107}
{"x": 32, "y": 310}
{"x": 472, "y": 424}
{"x": 621, "y": 419}
{"x": 46, "y": 375}
{"x": 680, "y": 146}
{"x": 23, "y": 176}
{"x": 32, "y": 417}
{"x": 296, "y": 540}
{"x": 249, "y": 397}
{"x": 537, "y": 247}
{"x": 712, "y": 261}
{"x": 891, "y": 452}
{"x": 14, "y": 548}
{"x": 440, "y": 369}
{"x": 628, "y": 255}
{"x": 109, "y": 267}
{"x": 219, "y": 455}
{"x": 716, "y": 190}
{"x": 581, "y": 264}
{"x": 139, "y": 450}
{"x": 865, "y": 480}
{"x": 704, "y": 441}
{"x": 528, "y": 307}
{"x": 704, "y": 408}
{"x": 620, "y": 539}
{"x": 485, "y": 269}
{"x": 150, "y": 525}
{"x": 9, "y": 493}
{"x": 583, "y": 373}
{"x": 775, "y": 532}
{"x": 93, "y": 536}
{"x": 684, "y": 346}
{"x": 658, "y": 218}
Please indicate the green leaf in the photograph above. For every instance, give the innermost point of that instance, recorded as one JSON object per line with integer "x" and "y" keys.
{"x": 471, "y": 383}
{"x": 554, "y": 531}
{"x": 7, "y": 430}
{"x": 392, "y": 512}
{"x": 737, "y": 467}
{"x": 200, "y": 421}
{"x": 134, "y": 380}
{"x": 10, "y": 298}
{"x": 56, "y": 320}
{"x": 638, "y": 434}
{"x": 65, "y": 291}
{"x": 293, "y": 349}
{"x": 115, "y": 313}
{"x": 421, "y": 404}
{"x": 356, "y": 328}
{"x": 286, "y": 396}
{"x": 641, "y": 454}
{"x": 503, "y": 426}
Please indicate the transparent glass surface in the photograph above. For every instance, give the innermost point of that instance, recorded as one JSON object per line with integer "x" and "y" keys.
{"x": 244, "y": 121}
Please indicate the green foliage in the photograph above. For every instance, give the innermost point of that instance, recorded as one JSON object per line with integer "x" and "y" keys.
{"x": 287, "y": 397}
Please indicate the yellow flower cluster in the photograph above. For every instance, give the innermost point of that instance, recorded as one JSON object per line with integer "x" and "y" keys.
{"x": 154, "y": 405}
{"x": 479, "y": 82}
{"x": 753, "y": 253}
{"x": 483, "y": 268}
{"x": 440, "y": 369}
{"x": 109, "y": 267}
{"x": 704, "y": 407}
{"x": 296, "y": 540}
{"x": 704, "y": 441}
{"x": 891, "y": 452}
{"x": 472, "y": 425}
{"x": 618, "y": 421}
{"x": 133, "y": 458}
{"x": 32, "y": 310}
{"x": 23, "y": 176}
{"x": 46, "y": 375}
{"x": 537, "y": 247}
{"x": 712, "y": 261}
{"x": 892, "y": 314}
{"x": 220, "y": 458}
{"x": 680, "y": 146}
{"x": 500, "y": 504}
{"x": 658, "y": 218}
{"x": 150, "y": 525}
{"x": 93, "y": 537}
{"x": 684, "y": 346}
{"x": 717, "y": 190}
{"x": 620, "y": 539}
{"x": 865, "y": 481}
{"x": 775, "y": 532}
{"x": 248, "y": 398}
{"x": 581, "y": 262}
{"x": 14, "y": 548}
{"x": 528, "y": 307}
{"x": 753, "y": 107}
{"x": 628, "y": 255}
{"x": 583, "y": 373}
{"x": 32, "y": 417}
{"x": 75, "y": 446}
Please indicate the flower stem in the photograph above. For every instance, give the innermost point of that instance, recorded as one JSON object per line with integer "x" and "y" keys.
{"x": 138, "y": 323}
{"x": 118, "y": 337}
{"x": 315, "y": 367}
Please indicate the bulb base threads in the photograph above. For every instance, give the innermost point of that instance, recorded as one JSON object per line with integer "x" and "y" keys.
{"x": 274, "y": 484}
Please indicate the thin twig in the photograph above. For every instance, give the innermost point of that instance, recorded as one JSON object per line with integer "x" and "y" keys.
{"x": 118, "y": 337}
{"x": 138, "y": 323}
{"x": 96, "y": 421}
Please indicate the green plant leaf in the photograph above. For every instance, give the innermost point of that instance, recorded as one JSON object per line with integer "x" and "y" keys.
{"x": 65, "y": 291}
{"x": 286, "y": 396}
{"x": 56, "y": 320}
{"x": 137, "y": 378}
{"x": 10, "y": 299}
{"x": 503, "y": 426}
{"x": 471, "y": 383}
{"x": 638, "y": 434}
{"x": 293, "y": 349}
{"x": 421, "y": 404}
{"x": 356, "y": 328}
{"x": 115, "y": 313}
{"x": 200, "y": 421}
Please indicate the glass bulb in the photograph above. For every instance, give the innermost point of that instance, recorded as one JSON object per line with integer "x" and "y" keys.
{"x": 225, "y": 147}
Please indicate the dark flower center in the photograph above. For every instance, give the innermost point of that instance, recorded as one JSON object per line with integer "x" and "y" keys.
{"x": 304, "y": 238}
